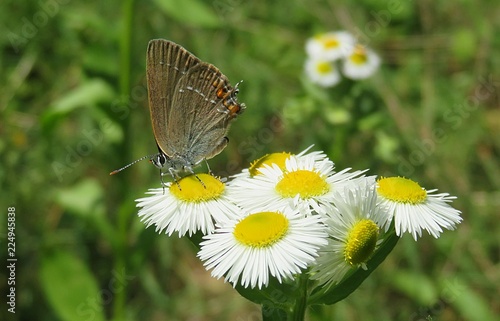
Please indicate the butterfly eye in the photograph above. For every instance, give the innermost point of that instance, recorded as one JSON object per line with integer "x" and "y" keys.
{"x": 162, "y": 159}
{"x": 159, "y": 160}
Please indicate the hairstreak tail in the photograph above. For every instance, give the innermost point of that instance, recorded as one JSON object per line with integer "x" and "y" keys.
{"x": 191, "y": 104}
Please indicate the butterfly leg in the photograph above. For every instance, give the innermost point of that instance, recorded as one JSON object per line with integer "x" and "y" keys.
{"x": 190, "y": 170}
{"x": 172, "y": 173}
{"x": 208, "y": 167}
{"x": 162, "y": 182}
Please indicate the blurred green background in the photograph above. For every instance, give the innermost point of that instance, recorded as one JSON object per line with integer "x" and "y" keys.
{"x": 73, "y": 105}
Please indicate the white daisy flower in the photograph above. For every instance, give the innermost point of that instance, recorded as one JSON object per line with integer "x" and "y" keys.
{"x": 317, "y": 155}
{"x": 249, "y": 250}
{"x": 322, "y": 72}
{"x": 354, "y": 233}
{"x": 187, "y": 206}
{"x": 268, "y": 159}
{"x": 360, "y": 63}
{"x": 305, "y": 182}
{"x": 278, "y": 159}
{"x": 330, "y": 46}
{"x": 415, "y": 209}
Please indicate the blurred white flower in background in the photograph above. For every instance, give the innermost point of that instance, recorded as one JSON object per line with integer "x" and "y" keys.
{"x": 326, "y": 50}
{"x": 322, "y": 72}
{"x": 330, "y": 46}
{"x": 361, "y": 63}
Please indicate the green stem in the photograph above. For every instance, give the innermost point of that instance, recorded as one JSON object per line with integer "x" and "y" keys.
{"x": 125, "y": 51}
{"x": 123, "y": 214}
{"x": 299, "y": 310}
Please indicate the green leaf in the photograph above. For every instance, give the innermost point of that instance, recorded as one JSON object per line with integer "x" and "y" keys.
{"x": 83, "y": 199}
{"x": 353, "y": 281}
{"x": 469, "y": 301}
{"x": 70, "y": 288}
{"x": 386, "y": 146}
{"x": 102, "y": 60}
{"x": 416, "y": 285}
{"x": 191, "y": 12}
{"x": 298, "y": 109}
{"x": 314, "y": 91}
{"x": 271, "y": 313}
{"x": 276, "y": 295}
{"x": 276, "y": 299}
{"x": 464, "y": 44}
{"x": 90, "y": 92}
{"x": 336, "y": 116}
{"x": 112, "y": 132}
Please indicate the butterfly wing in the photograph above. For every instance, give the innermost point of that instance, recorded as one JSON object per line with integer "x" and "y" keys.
{"x": 204, "y": 103}
{"x": 166, "y": 63}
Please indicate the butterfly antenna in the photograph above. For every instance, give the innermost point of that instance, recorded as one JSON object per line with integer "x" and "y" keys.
{"x": 127, "y": 166}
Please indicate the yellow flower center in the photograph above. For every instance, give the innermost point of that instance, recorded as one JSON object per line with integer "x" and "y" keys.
{"x": 324, "y": 67}
{"x": 303, "y": 182}
{"x": 401, "y": 190}
{"x": 359, "y": 55}
{"x": 189, "y": 188}
{"x": 262, "y": 229}
{"x": 330, "y": 42}
{"x": 361, "y": 242}
{"x": 268, "y": 159}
